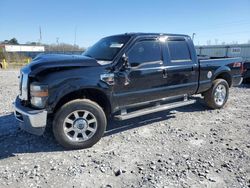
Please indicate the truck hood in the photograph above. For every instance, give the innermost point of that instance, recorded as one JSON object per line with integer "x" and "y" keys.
{"x": 59, "y": 61}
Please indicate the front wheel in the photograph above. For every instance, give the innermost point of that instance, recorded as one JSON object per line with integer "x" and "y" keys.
{"x": 79, "y": 124}
{"x": 216, "y": 97}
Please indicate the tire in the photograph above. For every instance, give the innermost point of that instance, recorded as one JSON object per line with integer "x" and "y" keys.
{"x": 73, "y": 130}
{"x": 216, "y": 97}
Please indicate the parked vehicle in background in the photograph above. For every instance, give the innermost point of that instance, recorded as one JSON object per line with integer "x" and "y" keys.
{"x": 122, "y": 77}
{"x": 234, "y": 50}
{"x": 246, "y": 74}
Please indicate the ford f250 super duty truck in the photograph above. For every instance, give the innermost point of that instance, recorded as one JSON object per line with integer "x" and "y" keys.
{"x": 121, "y": 76}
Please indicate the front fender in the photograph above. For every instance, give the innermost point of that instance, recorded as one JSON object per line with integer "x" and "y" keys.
{"x": 64, "y": 88}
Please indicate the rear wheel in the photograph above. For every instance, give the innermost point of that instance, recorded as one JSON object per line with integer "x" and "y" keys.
{"x": 79, "y": 124}
{"x": 216, "y": 97}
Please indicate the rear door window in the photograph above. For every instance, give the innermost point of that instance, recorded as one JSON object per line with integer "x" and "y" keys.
{"x": 178, "y": 51}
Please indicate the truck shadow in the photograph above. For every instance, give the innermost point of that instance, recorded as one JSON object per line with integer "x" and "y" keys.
{"x": 14, "y": 141}
{"x": 244, "y": 85}
{"x": 120, "y": 126}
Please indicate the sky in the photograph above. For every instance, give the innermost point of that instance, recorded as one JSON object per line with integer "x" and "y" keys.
{"x": 212, "y": 21}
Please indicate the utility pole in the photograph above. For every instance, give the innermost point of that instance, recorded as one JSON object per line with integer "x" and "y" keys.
{"x": 75, "y": 36}
{"x": 40, "y": 35}
{"x": 57, "y": 41}
{"x": 216, "y": 41}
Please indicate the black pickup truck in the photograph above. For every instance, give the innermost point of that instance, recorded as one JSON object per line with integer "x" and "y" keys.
{"x": 121, "y": 76}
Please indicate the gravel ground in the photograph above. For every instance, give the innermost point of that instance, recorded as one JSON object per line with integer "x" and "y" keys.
{"x": 190, "y": 146}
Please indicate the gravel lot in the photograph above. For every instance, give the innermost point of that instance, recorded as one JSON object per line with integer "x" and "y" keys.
{"x": 190, "y": 146}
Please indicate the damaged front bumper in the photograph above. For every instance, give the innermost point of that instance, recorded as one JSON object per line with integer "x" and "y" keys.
{"x": 32, "y": 121}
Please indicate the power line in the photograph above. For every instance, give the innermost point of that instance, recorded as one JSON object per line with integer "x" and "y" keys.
{"x": 221, "y": 34}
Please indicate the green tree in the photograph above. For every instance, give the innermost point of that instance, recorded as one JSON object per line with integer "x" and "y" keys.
{"x": 13, "y": 41}
{"x": 5, "y": 42}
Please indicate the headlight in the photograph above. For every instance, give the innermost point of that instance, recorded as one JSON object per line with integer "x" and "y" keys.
{"x": 39, "y": 94}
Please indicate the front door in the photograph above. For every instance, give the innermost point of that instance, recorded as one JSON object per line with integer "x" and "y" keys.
{"x": 143, "y": 80}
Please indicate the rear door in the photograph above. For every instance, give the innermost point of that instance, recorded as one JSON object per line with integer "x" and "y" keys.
{"x": 181, "y": 67}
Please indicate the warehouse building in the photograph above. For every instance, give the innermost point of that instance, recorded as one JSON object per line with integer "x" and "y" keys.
{"x": 234, "y": 50}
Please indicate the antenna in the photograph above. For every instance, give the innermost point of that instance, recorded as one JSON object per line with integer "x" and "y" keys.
{"x": 193, "y": 36}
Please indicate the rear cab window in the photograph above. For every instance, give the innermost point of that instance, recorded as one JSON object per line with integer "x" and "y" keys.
{"x": 178, "y": 51}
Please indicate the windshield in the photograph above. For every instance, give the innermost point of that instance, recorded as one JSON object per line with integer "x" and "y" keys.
{"x": 107, "y": 48}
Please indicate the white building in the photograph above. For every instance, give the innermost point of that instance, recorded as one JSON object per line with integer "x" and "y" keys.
{"x": 21, "y": 48}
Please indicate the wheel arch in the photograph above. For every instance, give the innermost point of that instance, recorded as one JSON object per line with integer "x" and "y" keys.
{"x": 93, "y": 94}
{"x": 226, "y": 76}
{"x": 224, "y": 72}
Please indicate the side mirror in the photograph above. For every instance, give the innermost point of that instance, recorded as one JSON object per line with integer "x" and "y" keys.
{"x": 125, "y": 61}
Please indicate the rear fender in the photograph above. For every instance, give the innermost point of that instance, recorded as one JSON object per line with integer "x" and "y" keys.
{"x": 224, "y": 73}
{"x": 221, "y": 70}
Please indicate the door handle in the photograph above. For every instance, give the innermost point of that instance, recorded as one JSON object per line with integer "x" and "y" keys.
{"x": 164, "y": 73}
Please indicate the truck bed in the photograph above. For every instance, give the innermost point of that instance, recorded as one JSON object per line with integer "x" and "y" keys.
{"x": 211, "y": 66}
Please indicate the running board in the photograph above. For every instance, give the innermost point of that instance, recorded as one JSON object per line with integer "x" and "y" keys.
{"x": 158, "y": 108}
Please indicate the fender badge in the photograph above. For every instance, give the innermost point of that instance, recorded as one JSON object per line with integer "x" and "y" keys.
{"x": 209, "y": 74}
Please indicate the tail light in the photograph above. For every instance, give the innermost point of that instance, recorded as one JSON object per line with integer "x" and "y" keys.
{"x": 237, "y": 64}
{"x": 242, "y": 68}
{"x": 241, "y": 65}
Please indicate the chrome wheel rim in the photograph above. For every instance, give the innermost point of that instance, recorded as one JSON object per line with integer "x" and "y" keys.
{"x": 80, "y": 125}
{"x": 220, "y": 94}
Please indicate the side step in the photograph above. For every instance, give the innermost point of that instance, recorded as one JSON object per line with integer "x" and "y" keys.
{"x": 157, "y": 108}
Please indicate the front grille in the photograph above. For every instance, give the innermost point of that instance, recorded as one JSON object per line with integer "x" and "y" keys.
{"x": 24, "y": 78}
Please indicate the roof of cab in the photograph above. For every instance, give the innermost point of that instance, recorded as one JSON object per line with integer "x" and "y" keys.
{"x": 151, "y": 34}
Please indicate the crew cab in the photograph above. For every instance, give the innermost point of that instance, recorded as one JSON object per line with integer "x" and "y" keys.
{"x": 122, "y": 77}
